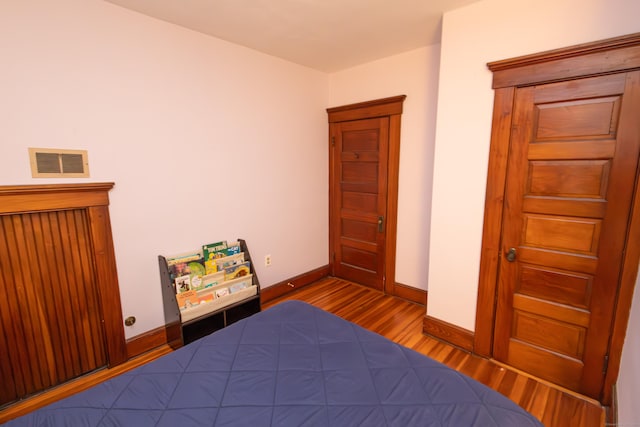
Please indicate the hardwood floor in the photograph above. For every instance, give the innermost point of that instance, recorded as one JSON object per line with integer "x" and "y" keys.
{"x": 401, "y": 321}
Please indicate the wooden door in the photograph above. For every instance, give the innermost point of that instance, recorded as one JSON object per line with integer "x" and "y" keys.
{"x": 360, "y": 153}
{"x": 570, "y": 179}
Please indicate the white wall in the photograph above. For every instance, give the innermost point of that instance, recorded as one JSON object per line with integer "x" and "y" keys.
{"x": 487, "y": 31}
{"x": 414, "y": 74}
{"x": 205, "y": 140}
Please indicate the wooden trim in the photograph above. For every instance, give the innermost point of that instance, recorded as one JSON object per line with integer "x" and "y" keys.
{"x": 628, "y": 279}
{"x": 492, "y": 228}
{"x": 107, "y": 283}
{"x": 448, "y": 333}
{"x": 286, "y": 286}
{"x": 367, "y": 109}
{"x": 393, "y": 176}
{"x": 605, "y": 56}
{"x": 419, "y": 296}
{"x": 30, "y": 198}
{"x": 151, "y": 340}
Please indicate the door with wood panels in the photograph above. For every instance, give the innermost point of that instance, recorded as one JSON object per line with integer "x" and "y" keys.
{"x": 571, "y": 174}
{"x": 360, "y": 154}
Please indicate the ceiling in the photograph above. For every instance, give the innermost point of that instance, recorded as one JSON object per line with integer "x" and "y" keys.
{"x": 327, "y": 35}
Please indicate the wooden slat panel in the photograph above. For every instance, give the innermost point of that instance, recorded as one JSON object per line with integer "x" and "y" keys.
{"x": 359, "y": 230}
{"x": 557, "y": 311}
{"x": 568, "y": 178}
{"x": 561, "y": 286}
{"x": 49, "y": 291}
{"x": 600, "y": 149}
{"x": 574, "y": 119}
{"x": 363, "y": 202}
{"x": 564, "y": 234}
{"x": 361, "y": 140}
{"x": 562, "y": 206}
{"x": 546, "y": 365}
{"x": 556, "y": 336}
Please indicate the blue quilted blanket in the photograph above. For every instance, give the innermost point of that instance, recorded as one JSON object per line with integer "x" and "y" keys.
{"x": 291, "y": 365}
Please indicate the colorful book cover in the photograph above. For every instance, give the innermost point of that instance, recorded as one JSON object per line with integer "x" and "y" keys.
{"x": 183, "y": 284}
{"x": 214, "y": 250}
{"x": 236, "y": 271}
{"x": 206, "y": 298}
{"x": 193, "y": 269}
{"x": 187, "y": 299}
{"x": 228, "y": 261}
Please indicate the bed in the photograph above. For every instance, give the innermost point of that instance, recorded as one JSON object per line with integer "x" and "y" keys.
{"x": 291, "y": 365}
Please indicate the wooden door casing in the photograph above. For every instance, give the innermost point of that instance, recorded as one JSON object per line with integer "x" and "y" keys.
{"x": 616, "y": 55}
{"x": 360, "y": 254}
{"x": 572, "y": 166}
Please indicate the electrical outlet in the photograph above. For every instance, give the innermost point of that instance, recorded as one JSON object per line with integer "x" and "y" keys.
{"x": 267, "y": 260}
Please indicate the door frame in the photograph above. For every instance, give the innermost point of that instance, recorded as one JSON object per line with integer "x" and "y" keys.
{"x": 620, "y": 54}
{"x": 385, "y": 107}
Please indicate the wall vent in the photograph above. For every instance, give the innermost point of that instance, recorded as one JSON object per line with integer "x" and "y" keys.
{"x": 58, "y": 163}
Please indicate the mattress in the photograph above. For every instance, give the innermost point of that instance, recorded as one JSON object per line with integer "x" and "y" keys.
{"x": 291, "y": 365}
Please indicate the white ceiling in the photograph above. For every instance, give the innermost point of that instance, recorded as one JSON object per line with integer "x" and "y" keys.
{"x": 327, "y": 35}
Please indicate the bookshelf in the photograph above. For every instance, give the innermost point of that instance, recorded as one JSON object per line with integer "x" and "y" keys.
{"x": 210, "y": 308}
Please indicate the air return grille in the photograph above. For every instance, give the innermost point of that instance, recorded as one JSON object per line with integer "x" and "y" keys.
{"x": 57, "y": 163}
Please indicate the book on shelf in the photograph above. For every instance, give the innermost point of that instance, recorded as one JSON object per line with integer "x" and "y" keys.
{"x": 203, "y": 299}
{"x": 228, "y": 261}
{"x": 183, "y": 284}
{"x": 187, "y": 299}
{"x": 238, "y": 270}
{"x": 210, "y": 252}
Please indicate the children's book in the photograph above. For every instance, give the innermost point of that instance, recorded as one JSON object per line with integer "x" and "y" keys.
{"x": 238, "y": 270}
{"x": 187, "y": 299}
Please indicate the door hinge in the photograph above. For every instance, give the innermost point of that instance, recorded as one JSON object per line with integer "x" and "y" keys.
{"x": 605, "y": 364}
{"x": 333, "y": 141}
{"x": 333, "y": 257}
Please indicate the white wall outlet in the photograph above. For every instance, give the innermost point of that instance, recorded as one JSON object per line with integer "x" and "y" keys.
{"x": 267, "y": 260}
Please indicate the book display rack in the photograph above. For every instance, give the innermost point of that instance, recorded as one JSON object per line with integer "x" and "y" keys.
{"x": 207, "y": 289}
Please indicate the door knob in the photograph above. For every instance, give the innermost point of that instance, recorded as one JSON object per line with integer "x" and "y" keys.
{"x": 511, "y": 254}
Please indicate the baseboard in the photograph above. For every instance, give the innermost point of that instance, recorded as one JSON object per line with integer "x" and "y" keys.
{"x": 290, "y": 285}
{"x": 140, "y": 344}
{"x": 447, "y": 332}
{"x": 419, "y": 296}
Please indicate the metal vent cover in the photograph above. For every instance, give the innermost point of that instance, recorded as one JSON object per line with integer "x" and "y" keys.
{"x": 56, "y": 163}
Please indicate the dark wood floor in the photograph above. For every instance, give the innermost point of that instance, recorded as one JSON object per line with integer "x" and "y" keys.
{"x": 401, "y": 321}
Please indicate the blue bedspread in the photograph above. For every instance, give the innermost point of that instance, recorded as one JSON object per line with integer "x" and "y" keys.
{"x": 291, "y": 365}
